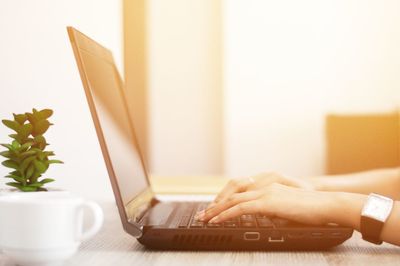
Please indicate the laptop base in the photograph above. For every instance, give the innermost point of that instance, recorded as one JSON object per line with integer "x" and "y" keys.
{"x": 210, "y": 239}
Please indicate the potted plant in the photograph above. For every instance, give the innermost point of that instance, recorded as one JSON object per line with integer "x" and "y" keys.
{"x": 38, "y": 226}
{"x": 27, "y": 155}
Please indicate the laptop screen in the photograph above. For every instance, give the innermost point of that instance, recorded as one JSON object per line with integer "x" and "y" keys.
{"x": 106, "y": 89}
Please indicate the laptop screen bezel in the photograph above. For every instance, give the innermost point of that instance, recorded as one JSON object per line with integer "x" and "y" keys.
{"x": 81, "y": 42}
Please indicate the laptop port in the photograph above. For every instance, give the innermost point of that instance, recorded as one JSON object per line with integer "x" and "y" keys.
{"x": 336, "y": 234}
{"x": 251, "y": 236}
{"x": 317, "y": 234}
{"x": 274, "y": 239}
{"x": 296, "y": 235}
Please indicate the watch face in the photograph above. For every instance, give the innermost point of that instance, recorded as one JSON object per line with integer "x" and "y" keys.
{"x": 377, "y": 207}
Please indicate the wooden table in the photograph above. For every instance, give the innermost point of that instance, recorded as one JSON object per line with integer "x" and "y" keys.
{"x": 112, "y": 246}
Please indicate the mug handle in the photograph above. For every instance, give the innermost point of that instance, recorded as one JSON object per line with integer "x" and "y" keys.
{"x": 98, "y": 220}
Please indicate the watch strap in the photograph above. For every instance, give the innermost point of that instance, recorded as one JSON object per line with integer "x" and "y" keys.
{"x": 371, "y": 229}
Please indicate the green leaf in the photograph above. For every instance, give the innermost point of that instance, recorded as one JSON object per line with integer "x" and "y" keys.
{"x": 47, "y": 180}
{"x": 25, "y": 146}
{"x": 35, "y": 185}
{"x": 13, "y": 176}
{"x": 8, "y": 146}
{"x": 14, "y": 136}
{"x": 45, "y": 113}
{"x": 36, "y": 149}
{"x": 14, "y": 184}
{"x": 20, "y": 118}
{"x": 25, "y": 131}
{"x": 10, "y": 164}
{"x": 29, "y": 172}
{"x": 35, "y": 176}
{"x": 42, "y": 156}
{"x": 25, "y": 163}
{"x": 22, "y": 187}
{"x": 27, "y": 153}
{"x": 32, "y": 119}
{"x": 16, "y": 178}
{"x": 41, "y": 167}
{"x": 54, "y": 161}
{"x": 28, "y": 188}
{"x": 15, "y": 144}
{"x": 11, "y": 124}
{"x": 6, "y": 154}
{"x": 49, "y": 153}
{"x": 40, "y": 127}
{"x": 40, "y": 141}
{"x": 15, "y": 173}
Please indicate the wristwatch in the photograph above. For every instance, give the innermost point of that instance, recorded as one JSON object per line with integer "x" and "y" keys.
{"x": 374, "y": 214}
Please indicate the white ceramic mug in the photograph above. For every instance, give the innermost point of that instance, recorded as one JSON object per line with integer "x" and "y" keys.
{"x": 44, "y": 228}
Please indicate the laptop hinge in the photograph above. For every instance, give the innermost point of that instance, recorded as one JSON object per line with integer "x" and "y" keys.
{"x": 136, "y": 209}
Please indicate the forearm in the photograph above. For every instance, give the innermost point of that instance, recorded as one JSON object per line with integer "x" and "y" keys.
{"x": 383, "y": 181}
{"x": 346, "y": 210}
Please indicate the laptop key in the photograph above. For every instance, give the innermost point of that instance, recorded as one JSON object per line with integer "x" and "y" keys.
{"x": 247, "y": 218}
{"x": 232, "y": 220}
{"x": 231, "y": 224}
{"x": 214, "y": 225}
{"x": 197, "y": 224}
{"x": 265, "y": 223}
{"x": 184, "y": 221}
{"x": 248, "y": 224}
{"x": 201, "y": 206}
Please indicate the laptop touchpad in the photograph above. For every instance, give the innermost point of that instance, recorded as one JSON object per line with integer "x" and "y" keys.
{"x": 158, "y": 214}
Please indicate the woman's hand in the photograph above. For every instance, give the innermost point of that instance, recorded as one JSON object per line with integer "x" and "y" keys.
{"x": 258, "y": 182}
{"x": 297, "y": 204}
{"x": 301, "y": 205}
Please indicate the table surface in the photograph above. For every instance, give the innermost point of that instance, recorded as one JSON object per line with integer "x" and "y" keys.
{"x": 112, "y": 246}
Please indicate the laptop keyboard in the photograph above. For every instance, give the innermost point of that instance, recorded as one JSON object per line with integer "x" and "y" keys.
{"x": 187, "y": 220}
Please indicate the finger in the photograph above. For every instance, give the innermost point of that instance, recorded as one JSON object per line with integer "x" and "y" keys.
{"x": 248, "y": 207}
{"x": 264, "y": 179}
{"x": 229, "y": 202}
{"x": 234, "y": 186}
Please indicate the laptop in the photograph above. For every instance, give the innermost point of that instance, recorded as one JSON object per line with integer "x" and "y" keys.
{"x": 160, "y": 224}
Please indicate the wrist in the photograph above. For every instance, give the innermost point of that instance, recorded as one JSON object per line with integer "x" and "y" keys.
{"x": 318, "y": 183}
{"x": 345, "y": 208}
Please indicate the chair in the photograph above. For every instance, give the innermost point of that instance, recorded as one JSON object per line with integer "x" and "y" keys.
{"x": 362, "y": 142}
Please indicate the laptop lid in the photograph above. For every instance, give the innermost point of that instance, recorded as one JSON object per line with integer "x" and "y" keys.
{"x": 105, "y": 95}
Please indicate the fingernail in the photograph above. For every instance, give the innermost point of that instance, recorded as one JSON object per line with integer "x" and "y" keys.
{"x": 214, "y": 220}
{"x": 196, "y": 216}
{"x": 200, "y": 216}
{"x": 200, "y": 212}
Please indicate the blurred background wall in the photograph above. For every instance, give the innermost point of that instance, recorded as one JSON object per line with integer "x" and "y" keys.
{"x": 178, "y": 107}
{"x": 185, "y": 75}
{"x": 38, "y": 70}
{"x": 288, "y": 63}
{"x": 227, "y": 87}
